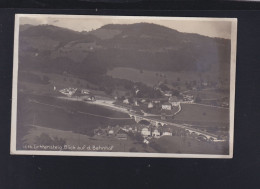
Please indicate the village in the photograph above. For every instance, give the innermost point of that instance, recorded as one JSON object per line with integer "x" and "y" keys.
{"x": 146, "y": 133}
{"x": 163, "y": 108}
{"x": 162, "y": 101}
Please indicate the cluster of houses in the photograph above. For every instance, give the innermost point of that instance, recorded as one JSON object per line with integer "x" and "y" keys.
{"x": 116, "y": 132}
{"x": 159, "y": 104}
{"x": 68, "y": 91}
{"x": 166, "y": 103}
{"x": 147, "y": 131}
{"x": 187, "y": 98}
{"x": 84, "y": 94}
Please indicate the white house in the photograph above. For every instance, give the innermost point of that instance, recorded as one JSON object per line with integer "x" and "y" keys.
{"x": 85, "y": 91}
{"x": 174, "y": 101}
{"x": 145, "y": 132}
{"x": 68, "y": 91}
{"x": 156, "y": 101}
{"x": 166, "y": 131}
{"x": 155, "y": 133}
{"x": 136, "y": 103}
{"x": 146, "y": 141}
{"x": 126, "y": 101}
{"x": 150, "y": 105}
{"x": 204, "y": 83}
{"x": 111, "y": 132}
{"x": 168, "y": 93}
{"x": 166, "y": 106}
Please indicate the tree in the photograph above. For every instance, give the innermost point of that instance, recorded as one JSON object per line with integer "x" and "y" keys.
{"x": 164, "y": 87}
{"x": 45, "y": 139}
{"x": 108, "y": 90}
{"x": 198, "y": 99}
{"x": 139, "y": 137}
{"x": 45, "y": 79}
{"x": 175, "y": 92}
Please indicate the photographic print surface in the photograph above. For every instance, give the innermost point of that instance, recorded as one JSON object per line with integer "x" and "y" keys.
{"x": 123, "y": 86}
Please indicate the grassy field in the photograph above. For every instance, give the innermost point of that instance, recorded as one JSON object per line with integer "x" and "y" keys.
{"x": 211, "y": 119}
{"x": 201, "y": 113}
{"x": 177, "y": 144}
{"x": 66, "y": 116}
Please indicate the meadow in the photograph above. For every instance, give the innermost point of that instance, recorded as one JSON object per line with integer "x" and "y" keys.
{"x": 211, "y": 119}
{"x": 177, "y": 144}
{"x": 65, "y": 115}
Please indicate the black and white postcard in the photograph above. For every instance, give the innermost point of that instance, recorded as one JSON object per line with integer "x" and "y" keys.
{"x": 124, "y": 86}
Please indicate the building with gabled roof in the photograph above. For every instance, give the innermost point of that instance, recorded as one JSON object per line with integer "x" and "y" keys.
{"x": 166, "y": 106}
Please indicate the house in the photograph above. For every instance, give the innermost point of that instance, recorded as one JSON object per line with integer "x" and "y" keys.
{"x": 68, "y": 91}
{"x": 150, "y": 105}
{"x": 121, "y": 135}
{"x": 166, "y": 106}
{"x": 166, "y": 131}
{"x": 126, "y": 101}
{"x": 156, "y": 101}
{"x": 173, "y": 100}
{"x": 100, "y": 132}
{"x": 110, "y": 132}
{"x": 168, "y": 93}
{"x": 145, "y": 132}
{"x": 129, "y": 128}
{"x": 93, "y": 98}
{"x": 136, "y": 103}
{"x": 155, "y": 133}
{"x": 204, "y": 83}
{"x": 143, "y": 100}
{"x": 85, "y": 91}
{"x": 146, "y": 141}
{"x": 89, "y": 98}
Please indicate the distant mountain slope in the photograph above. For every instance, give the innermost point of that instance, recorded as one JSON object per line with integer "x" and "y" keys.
{"x": 141, "y": 46}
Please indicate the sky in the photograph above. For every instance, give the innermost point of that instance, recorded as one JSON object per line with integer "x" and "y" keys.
{"x": 212, "y": 28}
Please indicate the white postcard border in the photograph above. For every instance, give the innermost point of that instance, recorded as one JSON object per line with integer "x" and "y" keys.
{"x": 13, "y": 149}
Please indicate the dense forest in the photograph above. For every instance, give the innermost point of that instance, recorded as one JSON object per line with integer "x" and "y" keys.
{"x": 141, "y": 46}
